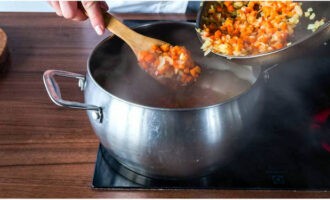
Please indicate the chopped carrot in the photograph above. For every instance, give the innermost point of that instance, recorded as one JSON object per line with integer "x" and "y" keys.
{"x": 154, "y": 47}
{"x": 219, "y": 9}
{"x": 278, "y": 45}
{"x": 217, "y": 34}
{"x": 165, "y": 47}
{"x": 231, "y": 8}
{"x": 195, "y": 71}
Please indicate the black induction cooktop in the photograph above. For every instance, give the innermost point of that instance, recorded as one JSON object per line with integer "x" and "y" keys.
{"x": 290, "y": 144}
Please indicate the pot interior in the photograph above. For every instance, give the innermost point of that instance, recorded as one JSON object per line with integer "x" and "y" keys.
{"x": 114, "y": 67}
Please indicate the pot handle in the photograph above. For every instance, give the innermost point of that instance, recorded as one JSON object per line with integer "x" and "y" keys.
{"x": 54, "y": 92}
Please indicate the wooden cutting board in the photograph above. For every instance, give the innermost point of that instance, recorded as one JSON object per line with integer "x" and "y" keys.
{"x": 3, "y": 47}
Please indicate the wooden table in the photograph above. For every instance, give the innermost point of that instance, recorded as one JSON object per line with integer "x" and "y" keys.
{"x": 49, "y": 151}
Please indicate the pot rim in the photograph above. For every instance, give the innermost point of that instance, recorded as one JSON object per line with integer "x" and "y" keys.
{"x": 232, "y": 99}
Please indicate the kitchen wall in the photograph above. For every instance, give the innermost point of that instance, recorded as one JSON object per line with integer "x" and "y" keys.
{"x": 25, "y": 6}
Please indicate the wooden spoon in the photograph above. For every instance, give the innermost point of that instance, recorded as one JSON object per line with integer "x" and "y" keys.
{"x": 134, "y": 40}
{"x": 140, "y": 43}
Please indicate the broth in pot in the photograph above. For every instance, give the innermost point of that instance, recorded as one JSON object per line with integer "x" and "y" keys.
{"x": 214, "y": 86}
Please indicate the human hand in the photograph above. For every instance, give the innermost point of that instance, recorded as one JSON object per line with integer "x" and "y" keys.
{"x": 71, "y": 10}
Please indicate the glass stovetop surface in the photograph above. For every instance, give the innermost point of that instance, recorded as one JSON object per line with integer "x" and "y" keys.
{"x": 290, "y": 144}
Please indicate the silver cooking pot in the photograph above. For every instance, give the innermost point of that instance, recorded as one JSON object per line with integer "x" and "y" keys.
{"x": 154, "y": 132}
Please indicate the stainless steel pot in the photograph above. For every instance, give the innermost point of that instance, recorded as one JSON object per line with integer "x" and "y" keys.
{"x": 154, "y": 140}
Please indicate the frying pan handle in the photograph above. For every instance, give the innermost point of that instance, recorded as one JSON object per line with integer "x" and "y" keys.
{"x": 54, "y": 92}
{"x": 267, "y": 70}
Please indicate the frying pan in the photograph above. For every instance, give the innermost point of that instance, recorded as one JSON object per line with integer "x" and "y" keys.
{"x": 302, "y": 40}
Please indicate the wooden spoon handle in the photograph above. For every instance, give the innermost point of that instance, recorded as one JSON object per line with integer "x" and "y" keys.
{"x": 132, "y": 38}
{"x": 136, "y": 41}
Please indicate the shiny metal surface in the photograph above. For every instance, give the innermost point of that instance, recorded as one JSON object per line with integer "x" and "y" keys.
{"x": 302, "y": 40}
{"x": 170, "y": 143}
{"x": 54, "y": 92}
{"x": 160, "y": 142}
{"x": 163, "y": 142}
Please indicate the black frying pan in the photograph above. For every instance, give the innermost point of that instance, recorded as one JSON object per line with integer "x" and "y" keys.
{"x": 302, "y": 41}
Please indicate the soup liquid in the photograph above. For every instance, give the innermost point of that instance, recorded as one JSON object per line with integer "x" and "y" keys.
{"x": 210, "y": 89}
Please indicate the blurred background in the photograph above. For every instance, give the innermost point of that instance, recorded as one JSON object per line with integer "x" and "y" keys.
{"x": 25, "y": 6}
